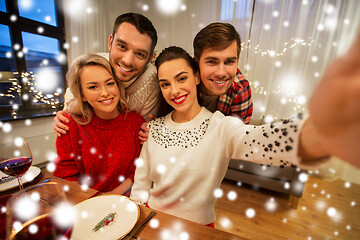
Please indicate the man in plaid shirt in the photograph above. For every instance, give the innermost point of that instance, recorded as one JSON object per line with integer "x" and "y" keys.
{"x": 223, "y": 87}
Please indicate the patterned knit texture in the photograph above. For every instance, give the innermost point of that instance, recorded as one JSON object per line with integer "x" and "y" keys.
{"x": 100, "y": 154}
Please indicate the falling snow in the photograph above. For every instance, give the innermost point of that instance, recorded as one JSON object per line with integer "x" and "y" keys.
{"x": 232, "y": 195}
{"x": 64, "y": 215}
{"x": 174, "y": 7}
{"x": 331, "y": 212}
{"x": 145, "y": 7}
{"x": 154, "y": 223}
{"x": 218, "y": 193}
{"x": 26, "y": 207}
{"x": 168, "y": 7}
{"x": 225, "y": 222}
{"x": 121, "y": 178}
{"x": 84, "y": 214}
{"x": 271, "y": 205}
{"x": 66, "y": 188}
{"x": 161, "y": 169}
{"x": 139, "y": 162}
{"x": 33, "y": 228}
{"x": 7, "y": 127}
{"x": 303, "y": 177}
{"x": 51, "y": 167}
{"x": 3, "y": 209}
{"x": 84, "y": 187}
{"x": 250, "y": 213}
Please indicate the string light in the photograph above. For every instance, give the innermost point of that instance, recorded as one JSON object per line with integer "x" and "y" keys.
{"x": 272, "y": 53}
{"x": 37, "y": 96}
{"x": 286, "y": 90}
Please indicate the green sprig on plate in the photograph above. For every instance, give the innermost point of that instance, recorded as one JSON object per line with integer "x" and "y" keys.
{"x": 104, "y": 222}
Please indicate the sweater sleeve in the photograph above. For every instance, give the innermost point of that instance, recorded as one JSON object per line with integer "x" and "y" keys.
{"x": 140, "y": 190}
{"x": 273, "y": 144}
{"x": 68, "y": 97}
{"x": 65, "y": 163}
{"x": 152, "y": 103}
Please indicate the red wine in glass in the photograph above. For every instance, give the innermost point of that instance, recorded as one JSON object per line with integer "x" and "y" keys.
{"x": 15, "y": 158}
{"x": 16, "y": 167}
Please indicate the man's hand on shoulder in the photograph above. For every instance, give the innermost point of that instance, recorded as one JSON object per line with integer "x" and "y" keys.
{"x": 144, "y": 131}
{"x": 59, "y": 126}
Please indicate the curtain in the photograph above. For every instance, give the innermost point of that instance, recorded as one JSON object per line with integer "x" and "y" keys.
{"x": 287, "y": 45}
{"x": 85, "y": 27}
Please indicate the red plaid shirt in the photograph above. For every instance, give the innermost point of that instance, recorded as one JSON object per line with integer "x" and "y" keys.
{"x": 237, "y": 101}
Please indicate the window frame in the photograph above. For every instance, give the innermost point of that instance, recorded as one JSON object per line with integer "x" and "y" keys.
{"x": 27, "y": 109}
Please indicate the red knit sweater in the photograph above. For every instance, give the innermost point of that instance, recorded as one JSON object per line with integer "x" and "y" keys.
{"x": 100, "y": 154}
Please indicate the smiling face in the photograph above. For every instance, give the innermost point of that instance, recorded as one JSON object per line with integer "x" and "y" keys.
{"x": 178, "y": 86}
{"x": 218, "y": 68}
{"x": 101, "y": 91}
{"x": 129, "y": 52}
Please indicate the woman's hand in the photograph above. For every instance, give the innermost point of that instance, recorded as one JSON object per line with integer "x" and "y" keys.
{"x": 123, "y": 188}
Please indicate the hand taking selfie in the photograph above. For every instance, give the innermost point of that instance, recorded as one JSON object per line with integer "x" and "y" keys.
{"x": 334, "y": 109}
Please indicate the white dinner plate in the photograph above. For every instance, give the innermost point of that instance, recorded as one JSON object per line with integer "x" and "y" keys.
{"x": 91, "y": 212}
{"x": 29, "y": 176}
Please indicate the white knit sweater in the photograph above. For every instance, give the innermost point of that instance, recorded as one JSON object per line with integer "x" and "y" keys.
{"x": 142, "y": 95}
{"x": 182, "y": 164}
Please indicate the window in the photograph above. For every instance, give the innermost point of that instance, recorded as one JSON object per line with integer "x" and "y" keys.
{"x": 2, "y": 6}
{"x": 242, "y": 9}
{"x": 227, "y": 10}
{"x": 38, "y": 10}
{"x": 32, "y": 58}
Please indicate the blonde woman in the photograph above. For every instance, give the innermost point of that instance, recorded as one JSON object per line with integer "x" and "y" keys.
{"x": 102, "y": 143}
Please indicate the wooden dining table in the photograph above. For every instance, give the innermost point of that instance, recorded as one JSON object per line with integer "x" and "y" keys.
{"x": 169, "y": 225}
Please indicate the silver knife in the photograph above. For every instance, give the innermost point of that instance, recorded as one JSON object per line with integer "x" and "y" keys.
{"x": 138, "y": 229}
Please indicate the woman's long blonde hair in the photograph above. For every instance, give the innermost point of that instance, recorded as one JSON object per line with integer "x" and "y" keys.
{"x": 80, "y": 110}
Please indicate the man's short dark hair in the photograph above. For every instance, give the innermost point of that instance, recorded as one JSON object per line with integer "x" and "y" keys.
{"x": 142, "y": 24}
{"x": 218, "y": 35}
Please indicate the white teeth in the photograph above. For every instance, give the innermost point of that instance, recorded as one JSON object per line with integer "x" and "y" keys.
{"x": 219, "y": 82}
{"x": 179, "y": 99}
{"x": 107, "y": 101}
{"x": 125, "y": 69}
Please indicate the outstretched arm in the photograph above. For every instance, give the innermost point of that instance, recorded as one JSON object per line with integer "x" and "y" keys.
{"x": 333, "y": 126}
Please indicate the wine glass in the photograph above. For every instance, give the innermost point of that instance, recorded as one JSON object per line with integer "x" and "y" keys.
{"x": 40, "y": 212}
{"x": 15, "y": 158}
